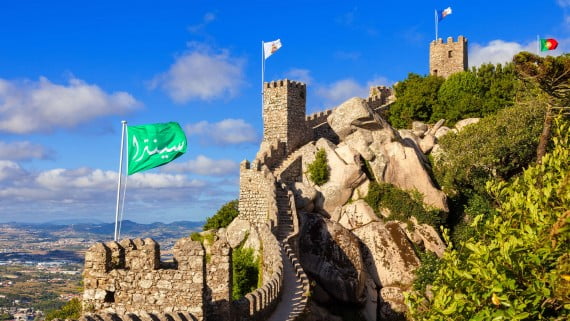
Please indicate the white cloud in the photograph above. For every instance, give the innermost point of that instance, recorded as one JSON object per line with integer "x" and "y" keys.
{"x": 207, "y": 19}
{"x": 563, "y": 3}
{"x": 42, "y": 106}
{"x": 10, "y": 170}
{"x": 302, "y": 75}
{"x": 500, "y": 51}
{"x": 87, "y": 178}
{"x": 24, "y": 150}
{"x": 204, "y": 166}
{"x": 344, "y": 89}
{"x": 88, "y": 193}
{"x": 225, "y": 132}
{"x": 202, "y": 74}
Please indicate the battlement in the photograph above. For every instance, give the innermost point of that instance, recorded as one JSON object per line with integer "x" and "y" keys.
{"x": 129, "y": 277}
{"x": 285, "y": 83}
{"x": 449, "y": 40}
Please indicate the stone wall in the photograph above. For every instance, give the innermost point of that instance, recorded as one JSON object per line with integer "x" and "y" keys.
{"x": 284, "y": 113}
{"x": 128, "y": 277}
{"x": 448, "y": 58}
{"x": 257, "y": 194}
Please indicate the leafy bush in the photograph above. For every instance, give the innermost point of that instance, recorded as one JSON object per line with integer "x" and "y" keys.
{"x": 476, "y": 93}
{"x": 427, "y": 272}
{"x": 518, "y": 268}
{"x": 223, "y": 217}
{"x": 319, "y": 169}
{"x": 416, "y": 98}
{"x": 499, "y": 146}
{"x": 245, "y": 272}
{"x": 71, "y": 310}
{"x": 402, "y": 205}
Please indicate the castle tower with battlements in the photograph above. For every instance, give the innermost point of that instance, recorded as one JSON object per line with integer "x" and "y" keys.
{"x": 448, "y": 58}
{"x": 284, "y": 109}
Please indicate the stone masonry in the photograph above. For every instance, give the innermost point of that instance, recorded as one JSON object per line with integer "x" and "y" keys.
{"x": 284, "y": 114}
{"x": 128, "y": 277}
{"x": 448, "y": 58}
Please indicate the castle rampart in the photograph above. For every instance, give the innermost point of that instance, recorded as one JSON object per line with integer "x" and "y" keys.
{"x": 128, "y": 277}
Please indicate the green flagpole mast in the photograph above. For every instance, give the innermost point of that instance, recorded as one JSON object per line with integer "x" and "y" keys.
{"x": 124, "y": 123}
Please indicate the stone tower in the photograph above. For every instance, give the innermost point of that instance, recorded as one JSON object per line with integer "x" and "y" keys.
{"x": 447, "y": 58}
{"x": 284, "y": 112}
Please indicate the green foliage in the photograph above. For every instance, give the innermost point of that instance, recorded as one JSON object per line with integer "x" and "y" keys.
{"x": 518, "y": 267}
{"x": 459, "y": 97}
{"x": 6, "y": 316}
{"x": 319, "y": 169}
{"x": 71, "y": 310}
{"x": 196, "y": 236}
{"x": 427, "y": 272}
{"x": 499, "y": 146}
{"x": 476, "y": 93}
{"x": 401, "y": 204}
{"x": 245, "y": 271}
{"x": 416, "y": 98}
{"x": 223, "y": 217}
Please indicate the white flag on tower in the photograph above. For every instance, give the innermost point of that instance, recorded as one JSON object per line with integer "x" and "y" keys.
{"x": 271, "y": 47}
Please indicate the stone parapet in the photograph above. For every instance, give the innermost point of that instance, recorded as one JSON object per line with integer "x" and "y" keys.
{"x": 128, "y": 277}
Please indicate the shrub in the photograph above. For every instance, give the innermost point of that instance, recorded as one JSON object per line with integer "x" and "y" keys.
{"x": 245, "y": 272}
{"x": 223, "y": 217}
{"x": 319, "y": 169}
{"x": 499, "y": 146}
{"x": 416, "y": 98}
{"x": 71, "y": 310}
{"x": 401, "y": 204}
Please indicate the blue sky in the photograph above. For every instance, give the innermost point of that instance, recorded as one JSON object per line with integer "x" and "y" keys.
{"x": 70, "y": 71}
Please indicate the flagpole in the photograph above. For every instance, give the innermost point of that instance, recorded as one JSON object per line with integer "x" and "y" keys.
{"x": 122, "y": 211}
{"x": 537, "y": 45}
{"x": 124, "y": 126}
{"x": 435, "y": 11}
{"x": 262, "y": 75}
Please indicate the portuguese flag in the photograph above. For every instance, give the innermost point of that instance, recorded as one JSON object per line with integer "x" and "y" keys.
{"x": 548, "y": 44}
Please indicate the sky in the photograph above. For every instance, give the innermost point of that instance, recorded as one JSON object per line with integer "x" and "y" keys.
{"x": 71, "y": 71}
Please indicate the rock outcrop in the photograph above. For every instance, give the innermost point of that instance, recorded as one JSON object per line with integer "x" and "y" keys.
{"x": 330, "y": 254}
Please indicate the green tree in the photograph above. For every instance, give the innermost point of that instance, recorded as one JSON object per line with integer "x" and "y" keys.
{"x": 495, "y": 147}
{"x": 459, "y": 97}
{"x": 552, "y": 76}
{"x": 416, "y": 99}
{"x": 223, "y": 217}
{"x": 518, "y": 266}
{"x": 319, "y": 169}
{"x": 71, "y": 310}
{"x": 499, "y": 84}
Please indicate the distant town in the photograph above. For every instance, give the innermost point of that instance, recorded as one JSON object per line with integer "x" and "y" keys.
{"x": 41, "y": 264}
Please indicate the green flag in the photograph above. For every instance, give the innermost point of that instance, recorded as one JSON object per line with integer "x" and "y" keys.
{"x": 154, "y": 145}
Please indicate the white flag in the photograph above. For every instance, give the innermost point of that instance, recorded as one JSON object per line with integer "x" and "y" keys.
{"x": 271, "y": 47}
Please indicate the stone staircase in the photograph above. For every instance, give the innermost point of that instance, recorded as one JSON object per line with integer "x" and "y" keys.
{"x": 284, "y": 164}
{"x": 295, "y": 290}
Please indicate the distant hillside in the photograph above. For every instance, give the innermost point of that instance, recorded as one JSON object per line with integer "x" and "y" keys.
{"x": 105, "y": 231}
